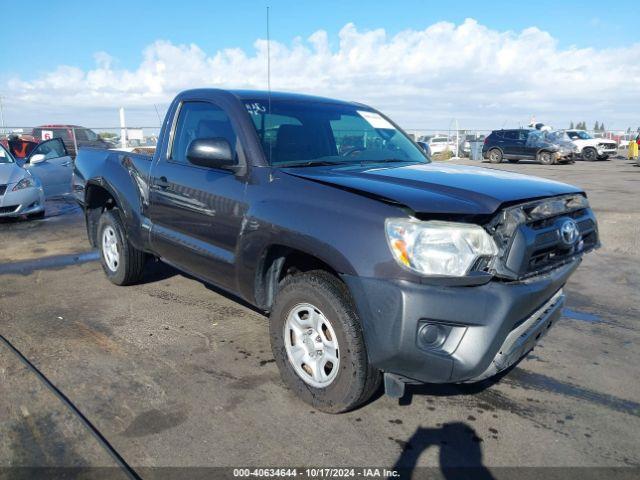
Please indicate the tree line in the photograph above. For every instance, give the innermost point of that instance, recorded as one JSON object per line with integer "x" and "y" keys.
{"x": 597, "y": 127}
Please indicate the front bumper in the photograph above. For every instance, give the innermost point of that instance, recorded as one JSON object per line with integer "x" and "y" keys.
{"x": 563, "y": 156}
{"x": 493, "y": 325}
{"x": 23, "y": 202}
{"x": 609, "y": 152}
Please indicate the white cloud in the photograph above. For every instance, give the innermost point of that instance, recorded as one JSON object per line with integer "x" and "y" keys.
{"x": 483, "y": 77}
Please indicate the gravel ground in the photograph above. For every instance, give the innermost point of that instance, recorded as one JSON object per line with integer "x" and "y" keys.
{"x": 175, "y": 373}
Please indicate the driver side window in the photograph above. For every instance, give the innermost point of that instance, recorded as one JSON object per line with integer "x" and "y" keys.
{"x": 200, "y": 120}
{"x": 51, "y": 149}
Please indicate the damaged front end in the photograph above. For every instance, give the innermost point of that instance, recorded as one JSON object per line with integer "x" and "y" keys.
{"x": 542, "y": 235}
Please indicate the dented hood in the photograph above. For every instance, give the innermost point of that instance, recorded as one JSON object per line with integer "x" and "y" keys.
{"x": 11, "y": 173}
{"x": 434, "y": 187}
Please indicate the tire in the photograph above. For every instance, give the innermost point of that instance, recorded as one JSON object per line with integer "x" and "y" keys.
{"x": 128, "y": 267}
{"x": 546, "y": 158}
{"x": 514, "y": 160}
{"x": 354, "y": 380}
{"x": 589, "y": 154}
{"x": 36, "y": 216}
{"x": 495, "y": 155}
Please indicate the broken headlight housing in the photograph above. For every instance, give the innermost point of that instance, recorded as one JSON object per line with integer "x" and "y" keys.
{"x": 438, "y": 248}
{"x": 26, "y": 182}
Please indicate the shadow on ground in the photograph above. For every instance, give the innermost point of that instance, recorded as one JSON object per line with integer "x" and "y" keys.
{"x": 460, "y": 455}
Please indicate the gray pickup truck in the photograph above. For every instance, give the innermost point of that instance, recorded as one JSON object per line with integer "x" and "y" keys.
{"x": 372, "y": 262}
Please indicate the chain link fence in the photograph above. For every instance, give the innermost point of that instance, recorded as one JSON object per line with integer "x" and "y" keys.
{"x": 444, "y": 143}
{"x": 22, "y": 140}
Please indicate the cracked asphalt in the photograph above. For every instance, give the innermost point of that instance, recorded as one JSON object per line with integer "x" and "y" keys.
{"x": 173, "y": 372}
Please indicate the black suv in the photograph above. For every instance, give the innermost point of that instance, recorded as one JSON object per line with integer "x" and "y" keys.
{"x": 519, "y": 144}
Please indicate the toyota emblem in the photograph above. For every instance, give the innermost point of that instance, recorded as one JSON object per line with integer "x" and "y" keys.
{"x": 569, "y": 232}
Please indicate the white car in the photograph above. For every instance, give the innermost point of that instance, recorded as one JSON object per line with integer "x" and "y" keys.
{"x": 441, "y": 144}
{"x": 589, "y": 148}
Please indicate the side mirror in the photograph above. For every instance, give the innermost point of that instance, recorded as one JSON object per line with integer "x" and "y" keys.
{"x": 37, "y": 158}
{"x": 211, "y": 153}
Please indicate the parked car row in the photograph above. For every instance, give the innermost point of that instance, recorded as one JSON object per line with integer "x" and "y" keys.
{"x": 459, "y": 145}
{"x": 546, "y": 147}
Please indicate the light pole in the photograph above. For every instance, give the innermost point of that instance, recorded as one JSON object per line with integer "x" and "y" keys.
{"x": 2, "y": 116}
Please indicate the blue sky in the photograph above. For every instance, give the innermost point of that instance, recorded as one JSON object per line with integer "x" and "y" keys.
{"x": 424, "y": 63}
{"x": 69, "y": 32}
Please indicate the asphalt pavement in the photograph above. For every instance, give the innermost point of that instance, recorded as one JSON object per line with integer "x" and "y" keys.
{"x": 174, "y": 373}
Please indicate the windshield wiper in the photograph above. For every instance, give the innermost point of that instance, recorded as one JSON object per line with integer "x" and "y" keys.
{"x": 312, "y": 163}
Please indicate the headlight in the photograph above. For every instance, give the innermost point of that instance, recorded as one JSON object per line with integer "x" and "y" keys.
{"x": 438, "y": 248}
{"x": 26, "y": 182}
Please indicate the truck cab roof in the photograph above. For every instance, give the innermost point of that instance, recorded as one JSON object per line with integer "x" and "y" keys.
{"x": 264, "y": 95}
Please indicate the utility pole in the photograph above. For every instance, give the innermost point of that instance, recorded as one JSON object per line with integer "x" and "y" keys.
{"x": 2, "y": 116}
{"x": 123, "y": 129}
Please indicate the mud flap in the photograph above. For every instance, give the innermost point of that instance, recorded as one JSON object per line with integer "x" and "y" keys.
{"x": 393, "y": 385}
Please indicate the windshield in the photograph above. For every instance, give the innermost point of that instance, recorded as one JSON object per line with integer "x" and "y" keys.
{"x": 5, "y": 156}
{"x": 299, "y": 133}
{"x": 86, "y": 135}
{"x": 555, "y": 136}
{"x": 579, "y": 135}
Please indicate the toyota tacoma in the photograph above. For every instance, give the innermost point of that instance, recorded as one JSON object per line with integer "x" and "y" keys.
{"x": 373, "y": 263}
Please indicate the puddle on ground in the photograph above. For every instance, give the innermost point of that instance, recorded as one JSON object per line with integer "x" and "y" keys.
{"x": 580, "y": 316}
{"x": 537, "y": 381}
{"x": 26, "y": 267}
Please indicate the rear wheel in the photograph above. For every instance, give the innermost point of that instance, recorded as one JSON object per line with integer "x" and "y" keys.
{"x": 546, "y": 158}
{"x": 318, "y": 345}
{"x": 122, "y": 263}
{"x": 590, "y": 154}
{"x": 495, "y": 155}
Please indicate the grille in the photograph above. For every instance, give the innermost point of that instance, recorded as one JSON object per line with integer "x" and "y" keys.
{"x": 9, "y": 209}
{"x": 530, "y": 238}
{"x": 549, "y": 249}
{"x": 3, "y": 188}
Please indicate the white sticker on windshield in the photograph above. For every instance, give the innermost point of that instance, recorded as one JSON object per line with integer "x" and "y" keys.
{"x": 375, "y": 120}
{"x": 255, "y": 108}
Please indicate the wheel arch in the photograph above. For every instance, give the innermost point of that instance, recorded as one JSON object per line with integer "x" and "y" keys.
{"x": 279, "y": 261}
{"x": 99, "y": 197}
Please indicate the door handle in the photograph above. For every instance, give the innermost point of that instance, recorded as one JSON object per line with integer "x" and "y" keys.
{"x": 162, "y": 183}
{"x": 66, "y": 164}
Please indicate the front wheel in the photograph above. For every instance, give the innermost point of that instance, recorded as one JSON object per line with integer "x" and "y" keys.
{"x": 546, "y": 158}
{"x": 318, "y": 345}
{"x": 122, "y": 263}
{"x": 590, "y": 154}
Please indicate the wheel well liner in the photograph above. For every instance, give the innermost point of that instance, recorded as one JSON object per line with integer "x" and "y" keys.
{"x": 279, "y": 261}
{"x": 97, "y": 199}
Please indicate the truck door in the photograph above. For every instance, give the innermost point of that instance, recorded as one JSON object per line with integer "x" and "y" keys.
{"x": 196, "y": 212}
{"x": 52, "y": 165}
